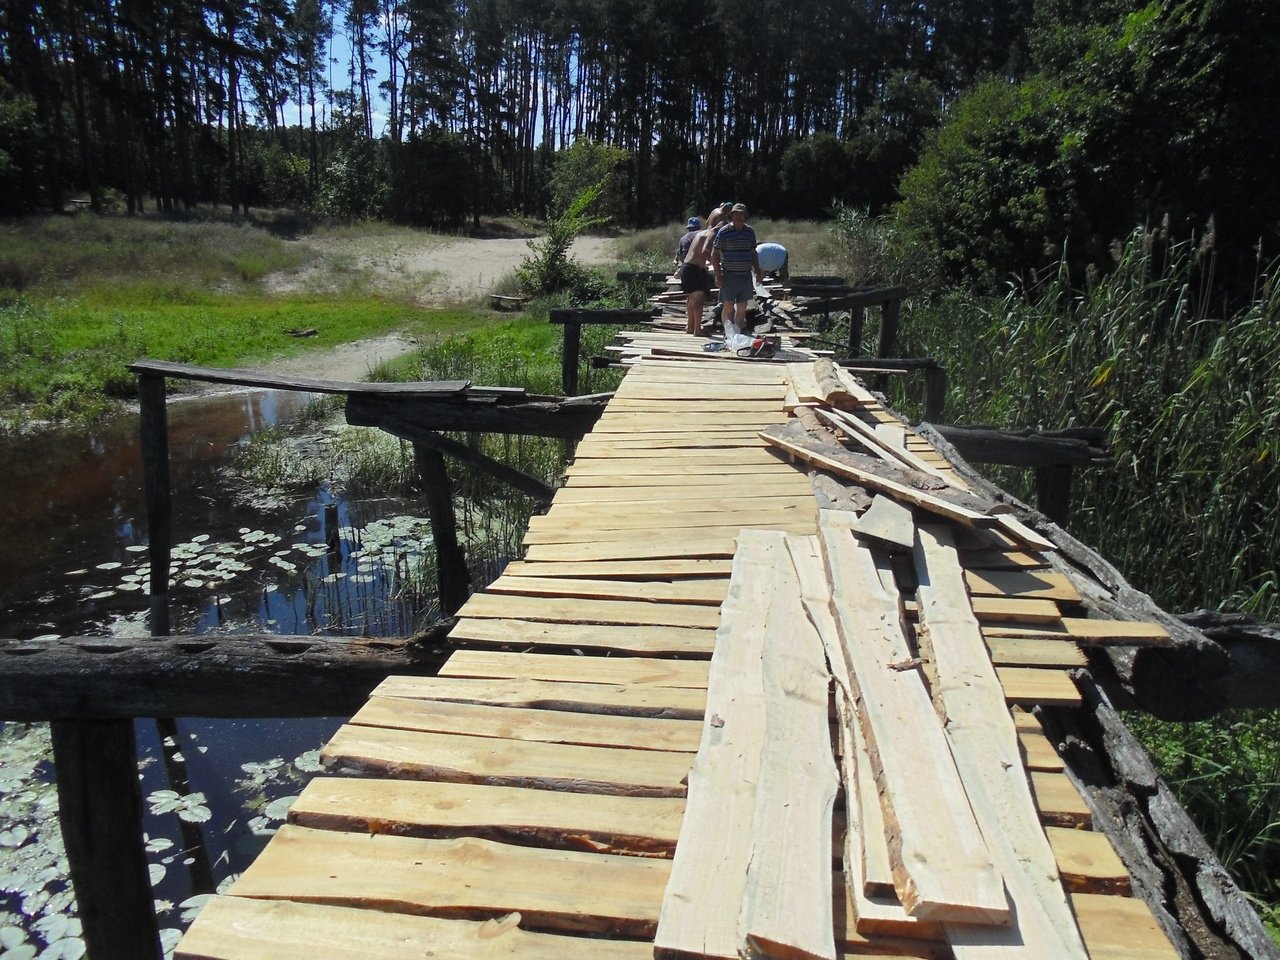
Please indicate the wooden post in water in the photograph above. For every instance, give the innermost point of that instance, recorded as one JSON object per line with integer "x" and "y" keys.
{"x": 451, "y": 561}
{"x": 100, "y": 810}
{"x": 154, "y": 425}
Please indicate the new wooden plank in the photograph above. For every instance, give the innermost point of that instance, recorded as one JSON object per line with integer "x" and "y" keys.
{"x": 573, "y": 610}
{"x": 465, "y": 878}
{"x": 871, "y": 438}
{"x": 1032, "y": 652}
{"x": 706, "y": 592}
{"x": 1059, "y": 801}
{"x": 653, "y": 641}
{"x": 758, "y": 454}
{"x": 1088, "y": 862}
{"x": 984, "y": 743}
{"x": 678, "y": 502}
{"x": 1038, "y": 752}
{"x": 878, "y": 914}
{"x": 383, "y": 751}
{"x": 877, "y": 871}
{"x": 703, "y": 899}
{"x": 573, "y": 534}
{"x": 789, "y": 484}
{"x": 889, "y": 521}
{"x": 622, "y": 699}
{"x": 243, "y": 928}
{"x": 804, "y": 382}
{"x": 1121, "y": 928}
{"x": 711, "y": 544}
{"x": 1088, "y": 632}
{"x": 786, "y": 905}
{"x": 1036, "y": 685}
{"x": 517, "y": 723}
{"x": 941, "y": 866}
{"x": 644, "y": 826}
{"x": 621, "y": 420}
{"x": 639, "y": 390}
{"x": 637, "y": 671}
{"x": 568, "y": 520}
{"x": 652, "y": 570}
{"x": 986, "y": 558}
{"x": 1003, "y": 609}
{"x": 619, "y": 466}
{"x": 609, "y": 444}
{"x": 1043, "y": 584}
{"x": 708, "y": 405}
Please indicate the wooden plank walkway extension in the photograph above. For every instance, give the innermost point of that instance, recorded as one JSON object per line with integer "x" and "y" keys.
{"x": 637, "y": 713}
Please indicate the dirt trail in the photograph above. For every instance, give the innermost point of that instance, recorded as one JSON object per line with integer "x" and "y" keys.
{"x": 432, "y": 271}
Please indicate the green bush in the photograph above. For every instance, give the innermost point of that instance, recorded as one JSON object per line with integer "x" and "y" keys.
{"x": 587, "y": 165}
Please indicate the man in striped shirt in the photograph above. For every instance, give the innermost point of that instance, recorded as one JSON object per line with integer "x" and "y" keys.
{"x": 734, "y": 260}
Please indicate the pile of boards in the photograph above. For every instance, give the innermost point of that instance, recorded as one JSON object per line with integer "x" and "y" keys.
{"x": 660, "y": 732}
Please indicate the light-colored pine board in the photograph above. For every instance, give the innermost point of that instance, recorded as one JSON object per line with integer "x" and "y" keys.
{"x": 1032, "y": 652}
{"x": 677, "y": 503}
{"x": 645, "y": 467}
{"x": 699, "y": 391}
{"x": 518, "y": 723}
{"x": 653, "y": 641}
{"x": 942, "y": 870}
{"x": 984, "y": 743}
{"x": 1022, "y": 533}
{"x": 643, "y": 826}
{"x": 1120, "y": 928}
{"x": 382, "y": 751}
{"x": 679, "y": 703}
{"x": 984, "y": 558}
{"x": 1089, "y": 632}
{"x": 703, "y": 900}
{"x": 1038, "y": 752}
{"x": 560, "y": 890}
{"x": 609, "y": 445}
{"x": 710, "y": 543}
{"x": 874, "y": 441}
{"x": 729, "y": 527}
{"x": 706, "y": 592}
{"x": 563, "y": 526}
{"x": 1088, "y": 862}
{"x": 877, "y": 916}
{"x": 636, "y": 671}
{"x": 887, "y": 520}
{"x": 653, "y": 570}
{"x": 243, "y": 928}
{"x": 756, "y": 455}
{"x": 1059, "y": 801}
{"x": 584, "y": 490}
{"x": 804, "y": 382}
{"x": 786, "y": 905}
{"x": 627, "y": 420}
{"x": 572, "y": 610}
{"x": 877, "y": 871}
{"x": 1042, "y": 584}
{"x": 709, "y": 405}
{"x": 855, "y": 388}
{"x": 1034, "y": 685}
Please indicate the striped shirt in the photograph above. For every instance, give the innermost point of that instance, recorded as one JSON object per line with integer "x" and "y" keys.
{"x": 737, "y": 248}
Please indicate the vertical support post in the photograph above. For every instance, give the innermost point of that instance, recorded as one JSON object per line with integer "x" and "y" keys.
{"x": 888, "y": 327}
{"x": 451, "y": 561}
{"x": 1053, "y": 492}
{"x": 154, "y": 426}
{"x": 857, "y": 320}
{"x": 100, "y": 810}
{"x": 569, "y": 358}
{"x": 935, "y": 392}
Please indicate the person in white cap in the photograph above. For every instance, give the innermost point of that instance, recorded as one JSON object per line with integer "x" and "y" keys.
{"x": 734, "y": 260}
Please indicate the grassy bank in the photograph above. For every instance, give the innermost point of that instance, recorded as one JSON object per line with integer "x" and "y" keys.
{"x": 82, "y": 297}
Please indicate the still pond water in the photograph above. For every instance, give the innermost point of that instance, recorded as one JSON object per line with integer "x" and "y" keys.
{"x": 75, "y": 563}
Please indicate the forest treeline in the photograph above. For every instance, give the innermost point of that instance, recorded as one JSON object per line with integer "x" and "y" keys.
{"x": 1010, "y": 133}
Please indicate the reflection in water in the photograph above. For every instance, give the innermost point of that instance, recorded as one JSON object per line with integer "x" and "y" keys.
{"x": 76, "y": 508}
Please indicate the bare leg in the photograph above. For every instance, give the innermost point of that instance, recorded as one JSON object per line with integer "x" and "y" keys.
{"x": 693, "y": 312}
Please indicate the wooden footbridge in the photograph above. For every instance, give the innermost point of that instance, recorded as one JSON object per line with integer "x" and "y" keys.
{"x": 772, "y": 679}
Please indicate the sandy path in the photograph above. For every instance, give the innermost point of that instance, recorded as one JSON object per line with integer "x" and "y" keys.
{"x": 434, "y": 271}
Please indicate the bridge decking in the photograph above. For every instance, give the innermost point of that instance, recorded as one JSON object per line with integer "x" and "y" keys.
{"x": 527, "y": 802}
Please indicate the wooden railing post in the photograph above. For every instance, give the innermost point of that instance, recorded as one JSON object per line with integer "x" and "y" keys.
{"x": 1053, "y": 492}
{"x": 935, "y": 392}
{"x": 451, "y": 561}
{"x": 888, "y": 326}
{"x": 100, "y": 811}
{"x": 569, "y": 358}
{"x": 154, "y": 426}
{"x": 857, "y": 320}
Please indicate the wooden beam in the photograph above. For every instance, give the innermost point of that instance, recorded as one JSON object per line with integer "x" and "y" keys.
{"x": 421, "y": 436}
{"x": 160, "y": 369}
{"x": 451, "y": 561}
{"x": 483, "y": 414}
{"x": 251, "y": 675}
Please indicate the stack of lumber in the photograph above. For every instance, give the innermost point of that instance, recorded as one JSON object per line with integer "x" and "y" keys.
{"x": 703, "y": 717}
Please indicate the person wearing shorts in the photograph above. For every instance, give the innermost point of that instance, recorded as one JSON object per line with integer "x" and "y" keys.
{"x": 695, "y": 279}
{"x": 734, "y": 260}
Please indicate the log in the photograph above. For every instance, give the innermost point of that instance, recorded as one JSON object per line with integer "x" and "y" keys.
{"x": 270, "y": 381}
{"x": 1192, "y": 896}
{"x": 252, "y": 675}
{"x": 1078, "y": 446}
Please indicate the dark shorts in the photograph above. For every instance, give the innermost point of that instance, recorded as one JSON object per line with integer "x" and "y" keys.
{"x": 694, "y": 279}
